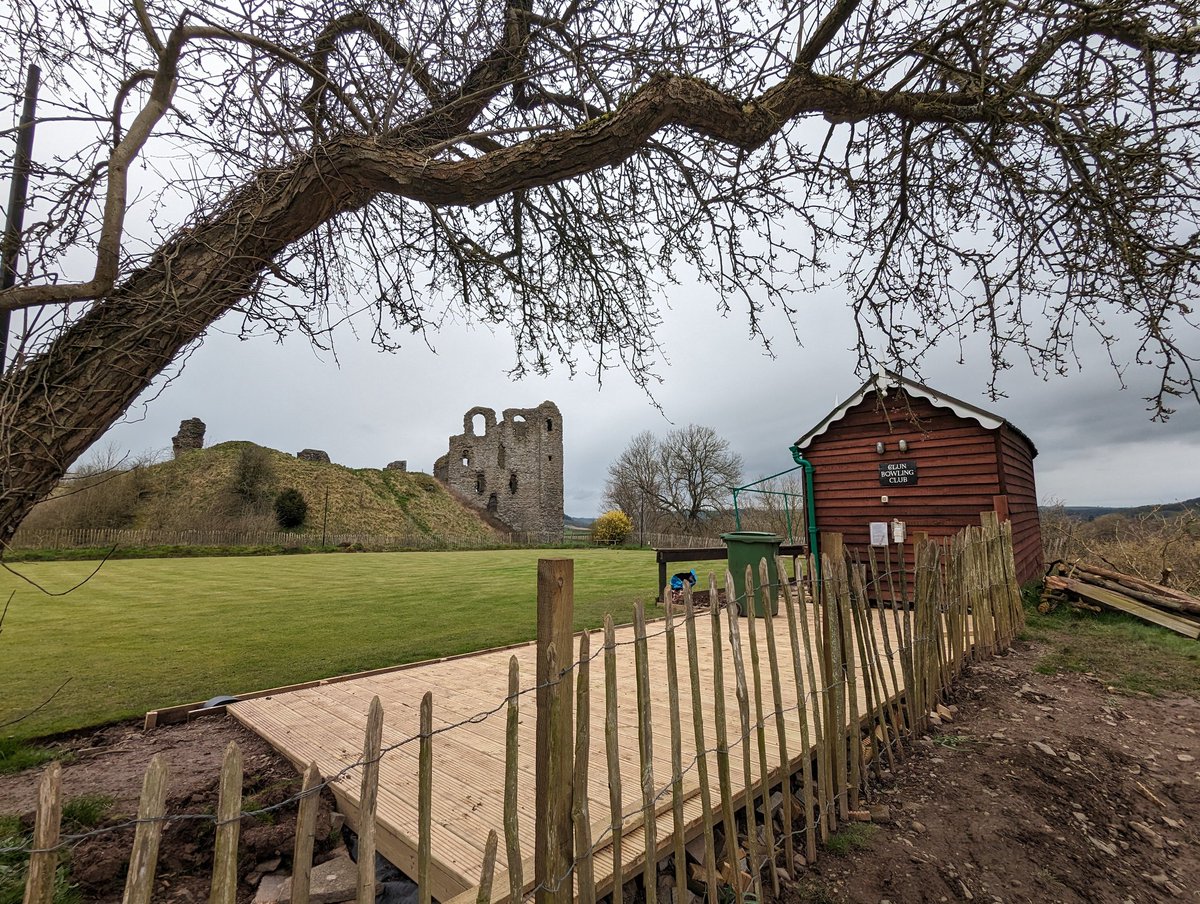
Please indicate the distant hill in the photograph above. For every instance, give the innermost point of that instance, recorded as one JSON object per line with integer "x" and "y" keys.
{"x": 200, "y": 491}
{"x": 568, "y": 521}
{"x": 1092, "y": 512}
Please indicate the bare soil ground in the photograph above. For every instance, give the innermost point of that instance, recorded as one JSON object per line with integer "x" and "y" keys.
{"x": 1046, "y": 788}
{"x": 112, "y": 761}
{"x": 1043, "y": 789}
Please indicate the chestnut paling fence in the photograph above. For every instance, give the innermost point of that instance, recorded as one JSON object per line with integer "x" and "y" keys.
{"x": 867, "y": 697}
{"x": 106, "y": 538}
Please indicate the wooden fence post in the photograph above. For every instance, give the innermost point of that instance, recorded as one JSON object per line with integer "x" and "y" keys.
{"x": 368, "y": 802}
{"x": 425, "y": 803}
{"x": 512, "y": 835}
{"x": 39, "y": 884}
{"x": 143, "y": 859}
{"x": 229, "y": 810}
{"x": 613, "y": 755}
{"x": 306, "y": 825}
{"x": 554, "y": 753}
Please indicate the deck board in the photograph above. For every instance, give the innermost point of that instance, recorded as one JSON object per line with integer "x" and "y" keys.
{"x": 325, "y": 723}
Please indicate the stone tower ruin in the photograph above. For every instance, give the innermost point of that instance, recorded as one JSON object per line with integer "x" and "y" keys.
{"x": 189, "y": 437}
{"x": 512, "y": 469}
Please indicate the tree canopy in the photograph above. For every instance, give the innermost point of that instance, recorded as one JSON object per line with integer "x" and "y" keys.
{"x": 677, "y": 483}
{"x": 1026, "y": 170}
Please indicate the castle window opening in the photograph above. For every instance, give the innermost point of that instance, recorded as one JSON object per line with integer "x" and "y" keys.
{"x": 512, "y": 483}
{"x": 479, "y": 425}
{"x": 549, "y": 425}
{"x": 493, "y": 503}
{"x": 480, "y": 483}
{"x": 466, "y": 458}
{"x": 501, "y": 456}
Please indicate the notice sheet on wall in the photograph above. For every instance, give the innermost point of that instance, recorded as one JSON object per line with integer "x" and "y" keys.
{"x": 879, "y": 533}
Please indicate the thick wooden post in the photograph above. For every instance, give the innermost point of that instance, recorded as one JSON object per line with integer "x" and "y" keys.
{"x": 229, "y": 809}
{"x": 554, "y": 753}
{"x": 39, "y": 883}
{"x": 143, "y": 860}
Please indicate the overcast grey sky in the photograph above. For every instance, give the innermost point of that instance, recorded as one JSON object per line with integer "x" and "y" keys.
{"x": 1097, "y": 445}
{"x": 1096, "y": 442}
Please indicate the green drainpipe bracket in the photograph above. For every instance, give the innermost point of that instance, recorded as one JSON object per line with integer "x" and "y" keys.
{"x": 810, "y": 508}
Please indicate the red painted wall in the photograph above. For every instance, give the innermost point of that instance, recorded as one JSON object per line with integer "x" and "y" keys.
{"x": 961, "y": 466}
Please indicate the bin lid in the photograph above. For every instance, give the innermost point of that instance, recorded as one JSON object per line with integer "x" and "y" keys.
{"x": 752, "y": 536}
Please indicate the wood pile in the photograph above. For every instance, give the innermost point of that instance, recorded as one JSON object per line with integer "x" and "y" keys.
{"x": 1092, "y": 587}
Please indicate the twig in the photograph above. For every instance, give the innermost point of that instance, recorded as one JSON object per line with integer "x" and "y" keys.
{"x": 4, "y": 614}
{"x": 34, "y": 583}
{"x": 36, "y": 708}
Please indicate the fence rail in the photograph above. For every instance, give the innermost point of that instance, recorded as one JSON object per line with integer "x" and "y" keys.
{"x": 867, "y": 699}
{"x": 107, "y": 538}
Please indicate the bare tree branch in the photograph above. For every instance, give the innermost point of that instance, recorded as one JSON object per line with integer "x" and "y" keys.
{"x": 1028, "y": 171}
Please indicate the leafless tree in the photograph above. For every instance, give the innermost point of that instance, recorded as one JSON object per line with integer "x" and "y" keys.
{"x": 680, "y": 482}
{"x": 1022, "y": 168}
{"x": 635, "y": 485}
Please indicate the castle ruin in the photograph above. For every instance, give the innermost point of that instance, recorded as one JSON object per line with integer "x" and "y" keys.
{"x": 512, "y": 469}
{"x": 189, "y": 437}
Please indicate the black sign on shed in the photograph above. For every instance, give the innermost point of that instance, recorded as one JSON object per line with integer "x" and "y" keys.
{"x": 898, "y": 474}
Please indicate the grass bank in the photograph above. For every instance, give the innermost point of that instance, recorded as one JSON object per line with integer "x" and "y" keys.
{"x": 142, "y": 634}
{"x": 1120, "y": 650}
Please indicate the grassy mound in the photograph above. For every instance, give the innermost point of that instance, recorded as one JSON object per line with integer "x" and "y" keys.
{"x": 232, "y": 486}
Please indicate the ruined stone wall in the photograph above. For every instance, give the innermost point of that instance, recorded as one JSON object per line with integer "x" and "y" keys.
{"x": 189, "y": 437}
{"x": 513, "y": 469}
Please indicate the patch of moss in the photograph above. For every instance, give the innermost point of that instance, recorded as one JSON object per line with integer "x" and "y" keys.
{"x": 854, "y": 837}
{"x": 17, "y": 756}
{"x": 85, "y": 812}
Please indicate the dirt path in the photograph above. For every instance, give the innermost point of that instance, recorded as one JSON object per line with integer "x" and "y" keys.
{"x": 1043, "y": 789}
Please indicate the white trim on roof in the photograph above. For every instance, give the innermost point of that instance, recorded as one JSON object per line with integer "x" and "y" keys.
{"x": 884, "y": 381}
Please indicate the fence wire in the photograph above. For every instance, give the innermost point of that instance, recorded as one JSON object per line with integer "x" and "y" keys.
{"x": 812, "y": 694}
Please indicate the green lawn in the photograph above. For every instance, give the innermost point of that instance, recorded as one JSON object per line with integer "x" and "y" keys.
{"x": 144, "y": 634}
{"x": 1118, "y": 649}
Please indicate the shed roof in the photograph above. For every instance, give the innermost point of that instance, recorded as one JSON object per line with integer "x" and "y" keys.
{"x": 885, "y": 380}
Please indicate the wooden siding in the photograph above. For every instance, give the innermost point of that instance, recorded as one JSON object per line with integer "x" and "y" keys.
{"x": 961, "y": 467}
{"x": 957, "y": 473}
{"x": 1017, "y": 470}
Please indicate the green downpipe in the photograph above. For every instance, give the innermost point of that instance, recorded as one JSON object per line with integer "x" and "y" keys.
{"x": 810, "y": 508}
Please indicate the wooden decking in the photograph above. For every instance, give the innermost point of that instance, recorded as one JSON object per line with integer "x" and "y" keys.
{"x": 325, "y": 725}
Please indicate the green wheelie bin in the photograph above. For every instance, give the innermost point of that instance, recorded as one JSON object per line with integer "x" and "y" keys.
{"x": 749, "y": 547}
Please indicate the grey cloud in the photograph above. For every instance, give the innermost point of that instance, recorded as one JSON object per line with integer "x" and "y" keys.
{"x": 376, "y": 407}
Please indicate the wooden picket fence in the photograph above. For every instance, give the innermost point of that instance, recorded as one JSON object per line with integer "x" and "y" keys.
{"x": 107, "y": 538}
{"x": 868, "y": 698}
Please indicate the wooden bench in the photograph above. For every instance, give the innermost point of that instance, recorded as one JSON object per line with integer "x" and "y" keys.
{"x": 705, "y": 553}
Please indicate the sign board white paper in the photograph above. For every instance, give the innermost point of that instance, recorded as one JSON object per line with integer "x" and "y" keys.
{"x": 879, "y": 533}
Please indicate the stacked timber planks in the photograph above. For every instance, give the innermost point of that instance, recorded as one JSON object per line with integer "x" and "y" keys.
{"x": 1095, "y": 587}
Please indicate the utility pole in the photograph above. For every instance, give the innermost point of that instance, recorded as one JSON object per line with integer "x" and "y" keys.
{"x": 17, "y": 193}
{"x": 325, "y": 520}
{"x": 642, "y": 521}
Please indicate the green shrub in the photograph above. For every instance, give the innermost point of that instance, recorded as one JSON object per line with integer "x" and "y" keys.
{"x": 612, "y": 528}
{"x": 86, "y": 811}
{"x": 290, "y": 508}
{"x": 252, "y": 474}
{"x": 16, "y": 755}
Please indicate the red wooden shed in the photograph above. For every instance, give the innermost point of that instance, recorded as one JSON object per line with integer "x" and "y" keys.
{"x": 900, "y": 451}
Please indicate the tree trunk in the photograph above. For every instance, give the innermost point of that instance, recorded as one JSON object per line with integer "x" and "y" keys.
{"x": 59, "y": 401}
